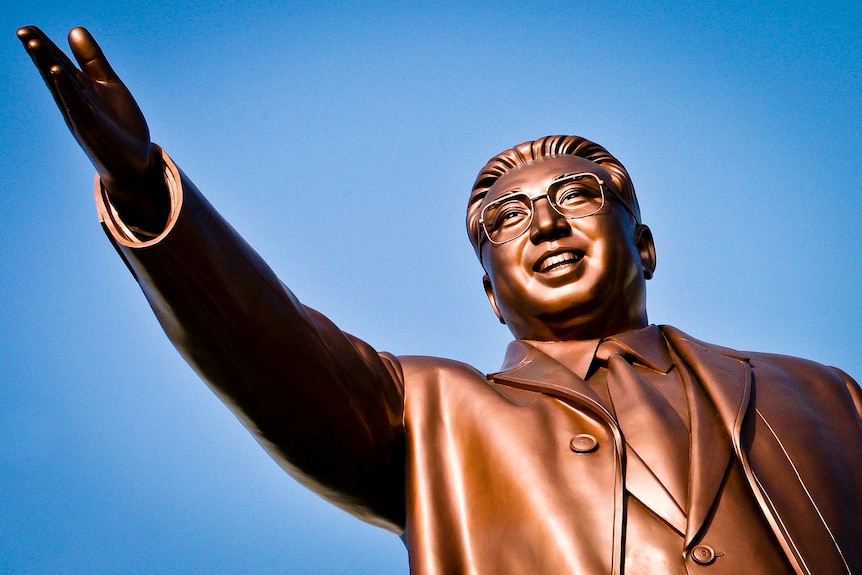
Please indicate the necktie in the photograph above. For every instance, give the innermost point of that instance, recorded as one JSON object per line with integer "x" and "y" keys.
{"x": 650, "y": 425}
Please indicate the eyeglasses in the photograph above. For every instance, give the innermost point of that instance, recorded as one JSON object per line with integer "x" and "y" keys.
{"x": 573, "y": 196}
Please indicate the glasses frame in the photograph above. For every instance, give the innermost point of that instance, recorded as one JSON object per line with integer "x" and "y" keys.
{"x": 547, "y": 196}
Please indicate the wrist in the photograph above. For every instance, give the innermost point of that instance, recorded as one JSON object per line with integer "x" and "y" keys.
{"x": 142, "y": 201}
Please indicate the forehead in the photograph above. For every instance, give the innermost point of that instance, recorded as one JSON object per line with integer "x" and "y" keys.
{"x": 539, "y": 174}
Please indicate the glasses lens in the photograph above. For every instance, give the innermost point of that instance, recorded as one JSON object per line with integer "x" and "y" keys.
{"x": 579, "y": 197}
{"x": 507, "y": 218}
{"x": 575, "y": 196}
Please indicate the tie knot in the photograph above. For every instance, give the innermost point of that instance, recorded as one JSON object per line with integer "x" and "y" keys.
{"x": 608, "y": 348}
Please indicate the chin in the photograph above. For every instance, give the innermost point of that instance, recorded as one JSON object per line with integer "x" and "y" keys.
{"x": 584, "y": 316}
{"x": 565, "y": 303}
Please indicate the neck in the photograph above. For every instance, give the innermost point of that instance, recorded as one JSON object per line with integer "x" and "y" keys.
{"x": 574, "y": 330}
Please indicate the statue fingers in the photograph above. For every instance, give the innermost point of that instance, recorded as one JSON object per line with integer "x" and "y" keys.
{"x": 44, "y": 53}
{"x": 74, "y": 104}
{"x": 56, "y": 69}
{"x": 90, "y": 56}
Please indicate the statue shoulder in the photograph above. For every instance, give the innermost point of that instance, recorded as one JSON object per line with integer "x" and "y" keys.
{"x": 436, "y": 368}
{"x": 765, "y": 364}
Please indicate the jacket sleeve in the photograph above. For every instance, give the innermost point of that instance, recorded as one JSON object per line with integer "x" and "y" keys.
{"x": 324, "y": 404}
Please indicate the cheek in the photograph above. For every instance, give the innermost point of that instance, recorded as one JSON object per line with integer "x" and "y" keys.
{"x": 628, "y": 264}
{"x": 614, "y": 255}
{"x": 507, "y": 282}
{"x": 504, "y": 263}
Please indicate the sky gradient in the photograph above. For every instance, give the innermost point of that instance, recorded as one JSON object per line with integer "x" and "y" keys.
{"x": 341, "y": 141}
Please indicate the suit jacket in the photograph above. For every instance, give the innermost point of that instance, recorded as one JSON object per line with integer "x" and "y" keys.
{"x": 478, "y": 472}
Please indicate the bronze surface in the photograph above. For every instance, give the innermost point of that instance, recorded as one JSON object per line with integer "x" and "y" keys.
{"x": 528, "y": 470}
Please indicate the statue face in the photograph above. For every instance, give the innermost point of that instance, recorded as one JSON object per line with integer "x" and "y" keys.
{"x": 568, "y": 278}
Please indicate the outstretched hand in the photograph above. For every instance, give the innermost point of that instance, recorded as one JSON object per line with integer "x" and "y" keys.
{"x": 106, "y": 121}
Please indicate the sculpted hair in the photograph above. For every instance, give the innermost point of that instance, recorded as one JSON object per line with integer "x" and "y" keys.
{"x": 543, "y": 147}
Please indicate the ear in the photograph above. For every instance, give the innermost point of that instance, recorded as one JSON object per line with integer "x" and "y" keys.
{"x": 492, "y": 299}
{"x": 646, "y": 248}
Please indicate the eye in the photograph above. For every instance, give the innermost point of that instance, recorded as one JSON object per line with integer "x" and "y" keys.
{"x": 578, "y": 194}
{"x": 569, "y": 195}
{"x": 508, "y": 213}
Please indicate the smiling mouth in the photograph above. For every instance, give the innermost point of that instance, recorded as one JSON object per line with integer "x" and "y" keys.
{"x": 557, "y": 260}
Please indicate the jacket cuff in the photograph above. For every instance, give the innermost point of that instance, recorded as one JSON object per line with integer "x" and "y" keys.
{"x": 130, "y": 237}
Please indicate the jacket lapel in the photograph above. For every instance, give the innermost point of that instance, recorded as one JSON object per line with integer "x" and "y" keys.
{"x": 726, "y": 377}
{"x": 725, "y": 382}
{"x": 527, "y": 367}
{"x": 710, "y": 455}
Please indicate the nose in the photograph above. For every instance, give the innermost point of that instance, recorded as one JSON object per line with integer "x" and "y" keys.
{"x": 548, "y": 224}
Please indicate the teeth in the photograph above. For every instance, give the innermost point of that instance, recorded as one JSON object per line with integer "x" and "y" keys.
{"x": 559, "y": 259}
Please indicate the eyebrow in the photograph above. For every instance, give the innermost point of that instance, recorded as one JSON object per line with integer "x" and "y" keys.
{"x": 562, "y": 177}
{"x": 555, "y": 182}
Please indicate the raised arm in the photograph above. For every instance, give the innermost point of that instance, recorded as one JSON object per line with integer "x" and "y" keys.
{"x": 325, "y": 405}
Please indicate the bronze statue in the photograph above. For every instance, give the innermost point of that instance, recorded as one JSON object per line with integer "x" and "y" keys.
{"x": 604, "y": 445}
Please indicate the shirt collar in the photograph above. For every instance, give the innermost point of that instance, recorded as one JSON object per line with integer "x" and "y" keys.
{"x": 577, "y": 355}
{"x": 647, "y": 347}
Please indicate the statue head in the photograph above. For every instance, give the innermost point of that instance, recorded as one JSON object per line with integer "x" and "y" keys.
{"x": 556, "y": 225}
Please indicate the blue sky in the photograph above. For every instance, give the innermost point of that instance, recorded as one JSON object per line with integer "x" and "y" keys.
{"x": 341, "y": 141}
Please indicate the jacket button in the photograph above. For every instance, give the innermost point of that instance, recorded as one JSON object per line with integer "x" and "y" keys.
{"x": 583, "y": 443}
{"x": 703, "y": 554}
